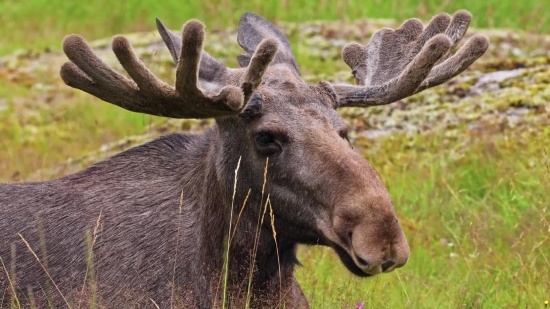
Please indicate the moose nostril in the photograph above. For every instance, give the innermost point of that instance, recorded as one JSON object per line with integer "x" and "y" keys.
{"x": 362, "y": 263}
{"x": 387, "y": 265}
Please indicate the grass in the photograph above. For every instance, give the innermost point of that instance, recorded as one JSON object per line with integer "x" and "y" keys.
{"x": 41, "y": 24}
{"x": 478, "y": 222}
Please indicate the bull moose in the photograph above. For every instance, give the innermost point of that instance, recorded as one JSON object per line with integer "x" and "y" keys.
{"x": 214, "y": 219}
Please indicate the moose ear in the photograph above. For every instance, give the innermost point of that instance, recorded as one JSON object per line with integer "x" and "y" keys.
{"x": 172, "y": 40}
{"x": 252, "y": 30}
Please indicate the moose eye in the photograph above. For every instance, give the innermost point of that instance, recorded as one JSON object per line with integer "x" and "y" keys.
{"x": 265, "y": 138}
{"x": 266, "y": 143}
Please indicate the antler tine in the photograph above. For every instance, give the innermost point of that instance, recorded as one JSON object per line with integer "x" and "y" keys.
{"x": 472, "y": 50}
{"x": 146, "y": 93}
{"x": 187, "y": 70}
{"x": 397, "y": 64}
{"x": 89, "y": 73}
{"x": 261, "y": 59}
{"x": 400, "y": 87}
{"x": 145, "y": 80}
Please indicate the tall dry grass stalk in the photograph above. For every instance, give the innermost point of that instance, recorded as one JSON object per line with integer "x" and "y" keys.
{"x": 47, "y": 290}
{"x": 154, "y": 303}
{"x": 259, "y": 223}
{"x": 172, "y": 292}
{"x": 276, "y": 250}
{"x": 225, "y": 270}
{"x": 45, "y": 270}
{"x": 90, "y": 271}
{"x": 15, "y": 299}
{"x": 240, "y": 214}
{"x": 30, "y": 296}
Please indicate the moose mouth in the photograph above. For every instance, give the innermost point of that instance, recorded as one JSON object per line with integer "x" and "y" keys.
{"x": 348, "y": 262}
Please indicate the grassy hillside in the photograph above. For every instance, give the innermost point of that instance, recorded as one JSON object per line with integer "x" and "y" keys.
{"x": 467, "y": 164}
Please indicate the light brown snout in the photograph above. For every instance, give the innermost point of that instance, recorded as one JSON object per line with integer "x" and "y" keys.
{"x": 378, "y": 249}
{"x": 375, "y": 244}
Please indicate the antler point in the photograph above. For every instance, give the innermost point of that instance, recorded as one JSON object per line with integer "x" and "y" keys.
{"x": 193, "y": 26}
{"x": 71, "y": 41}
{"x": 233, "y": 97}
{"x": 268, "y": 48}
{"x": 481, "y": 42}
{"x": 120, "y": 44}
{"x": 463, "y": 13}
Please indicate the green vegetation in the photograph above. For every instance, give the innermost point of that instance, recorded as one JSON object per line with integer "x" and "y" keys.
{"x": 469, "y": 174}
{"x": 43, "y": 23}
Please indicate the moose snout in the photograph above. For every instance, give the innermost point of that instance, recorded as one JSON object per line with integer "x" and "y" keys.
{"x": 376, "y": 246}
{"x": 378, "y": 249}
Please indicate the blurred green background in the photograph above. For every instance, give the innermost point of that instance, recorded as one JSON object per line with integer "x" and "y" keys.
{"x": 42, "y": 23}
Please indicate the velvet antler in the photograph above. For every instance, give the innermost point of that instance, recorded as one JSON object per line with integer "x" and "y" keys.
{"x": 399, "y": 63}
{"x": 146, "y": 93}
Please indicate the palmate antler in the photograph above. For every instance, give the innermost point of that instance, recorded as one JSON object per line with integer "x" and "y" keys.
{"x": 146, "y": 93}
{"x": 397, "y": 64}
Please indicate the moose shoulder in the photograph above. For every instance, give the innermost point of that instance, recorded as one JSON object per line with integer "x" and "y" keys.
{"x": 152, "y": 224}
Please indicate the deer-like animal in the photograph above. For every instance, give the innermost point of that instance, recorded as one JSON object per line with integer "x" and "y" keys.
{"x": 184, "y": 220}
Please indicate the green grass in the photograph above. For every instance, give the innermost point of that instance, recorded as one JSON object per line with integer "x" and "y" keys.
{"x": 43, "y": 23}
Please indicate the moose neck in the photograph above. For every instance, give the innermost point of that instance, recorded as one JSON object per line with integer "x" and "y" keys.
{"x": 232, "y": 228}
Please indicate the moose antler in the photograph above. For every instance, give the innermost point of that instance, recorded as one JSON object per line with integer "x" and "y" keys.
{"x": 146, "y": 93}
{"x": 399, "y": 63}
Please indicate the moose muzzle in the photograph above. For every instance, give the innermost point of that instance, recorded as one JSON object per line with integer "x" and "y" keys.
{"x": 374, "y": 243}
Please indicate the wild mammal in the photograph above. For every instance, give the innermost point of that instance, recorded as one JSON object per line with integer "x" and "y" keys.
{"x": 150, "y": 224}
